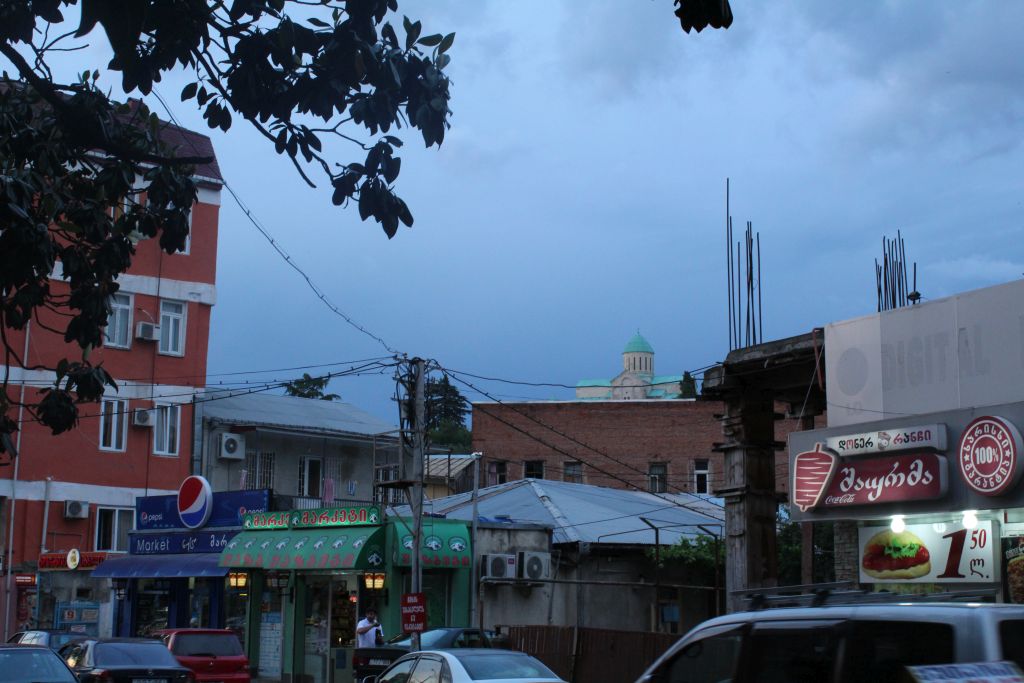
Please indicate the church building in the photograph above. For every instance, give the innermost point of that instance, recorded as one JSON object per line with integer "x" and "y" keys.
{"x": 637, "y": 380}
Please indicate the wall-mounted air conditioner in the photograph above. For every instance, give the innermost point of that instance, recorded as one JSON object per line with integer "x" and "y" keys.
{"x": 147, "y": 332}
{"x": 76, "y": 509}
{"x": 498, "y": 566}
{"x": 232, "y": 446}
{"x": 143, "y": 417}
{"x": 534, "y": 566}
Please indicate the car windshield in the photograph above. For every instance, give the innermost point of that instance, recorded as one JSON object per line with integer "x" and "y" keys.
{"x": 121, "y": 654}
{"x": 206, "y": 644}
{"x": 33, "y": 666}
{"x": 428, "y": 639}
{"x": 505, "y": 665}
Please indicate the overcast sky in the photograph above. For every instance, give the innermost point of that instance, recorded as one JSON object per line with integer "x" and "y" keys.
{"x": 580, "y": 194}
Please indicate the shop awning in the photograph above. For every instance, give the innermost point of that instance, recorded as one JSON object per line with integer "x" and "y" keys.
{"x": 160, "y": 566}
{"x": 340, "y": 548}
{"x": 445, "y": 544}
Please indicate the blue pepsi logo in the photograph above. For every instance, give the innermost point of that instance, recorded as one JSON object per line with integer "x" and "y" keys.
{"x": 195, "y": 501}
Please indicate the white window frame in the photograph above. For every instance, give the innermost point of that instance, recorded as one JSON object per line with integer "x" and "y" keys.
{"x": 114, "y": 410}
{"x": 161, "y": 409}
{"x": 114, "y": 531}
{"x": 188, "y": 238}
{"x": 657, "y": 483}
{"x": 166, "y": 348}
{"x": 259, "y": 469}
{"x": 128, "y": 310}
{"x": 303, "y": 487}
{"x": 707, "y": 476}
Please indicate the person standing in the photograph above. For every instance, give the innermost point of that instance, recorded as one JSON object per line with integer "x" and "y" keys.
{"x": 369, "y": 632}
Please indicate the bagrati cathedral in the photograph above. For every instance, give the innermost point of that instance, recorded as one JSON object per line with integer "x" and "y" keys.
{"x": 637, "y": 380}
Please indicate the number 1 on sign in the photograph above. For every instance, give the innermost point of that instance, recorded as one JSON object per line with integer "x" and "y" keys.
{"x": 956, "y": 551}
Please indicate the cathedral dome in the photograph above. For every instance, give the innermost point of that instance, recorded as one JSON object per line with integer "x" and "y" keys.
{"x": 638, "y": 345}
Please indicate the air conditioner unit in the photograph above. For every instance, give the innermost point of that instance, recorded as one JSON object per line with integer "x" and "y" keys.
{"x": 143, "y": 417}
{"x": 498, "y": 566}
{"x": 76, "y": 509}
{"x": 147, "y": 332}
{"x": 534, "y": 566}
{"x": 232, "y": 446}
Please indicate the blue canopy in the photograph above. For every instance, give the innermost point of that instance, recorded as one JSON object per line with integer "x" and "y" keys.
{"x": 160, "y": 566}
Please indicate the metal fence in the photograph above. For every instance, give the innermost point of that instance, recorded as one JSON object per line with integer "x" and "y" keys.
{"x": 580, "y": 655}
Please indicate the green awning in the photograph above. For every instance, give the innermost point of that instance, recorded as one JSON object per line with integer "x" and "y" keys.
{"x": 341, "y": 548}
{"x": 445, "y": 544}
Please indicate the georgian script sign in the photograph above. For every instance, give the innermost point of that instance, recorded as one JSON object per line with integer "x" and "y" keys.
{"x": 821, "y": 479}
{"x": 339, "y": 516}
{"x": 989, "y": 455}
{"x": 886, "y": 441}
{"x": 873, "y": 481}
{"x": 266, "y": 520}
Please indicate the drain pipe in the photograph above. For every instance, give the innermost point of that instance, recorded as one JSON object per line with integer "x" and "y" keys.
{"x": 46, "y": 514}
{"x": 14, "y": 492}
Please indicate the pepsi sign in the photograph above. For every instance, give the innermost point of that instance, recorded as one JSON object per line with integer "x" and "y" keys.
{"x": 195, "y": 501}
{"x": 154, "y": 513}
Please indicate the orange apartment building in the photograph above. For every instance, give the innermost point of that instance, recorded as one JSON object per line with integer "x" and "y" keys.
{"x": 69, "y": 500}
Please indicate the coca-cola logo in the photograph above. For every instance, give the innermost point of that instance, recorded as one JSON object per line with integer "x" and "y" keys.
{"x": 989, "y": 455}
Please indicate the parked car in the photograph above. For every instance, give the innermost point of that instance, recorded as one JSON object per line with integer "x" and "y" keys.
{"x": 32, "y": 664}
{"x": 50, "y": 637}
{"x": 123, "y": 660}
{"x": 465, "y": 666}
{"x": 850, "y": 643}
{"x": 211, "y": 654}
{"x": 367, "y": 661}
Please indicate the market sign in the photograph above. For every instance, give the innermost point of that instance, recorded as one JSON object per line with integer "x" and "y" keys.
{"x": 823, "y": 479}
{"x": 914, "y": 437}
{"x": 176, "y": 542}
{"x": 266, "y": 520}
{"x": 930, "y": 553}
{"x": 414, "y": 612}
{"x": 70, "y": 560}
{"x": 333, "y": 517}
{"x": 989, "y": 455}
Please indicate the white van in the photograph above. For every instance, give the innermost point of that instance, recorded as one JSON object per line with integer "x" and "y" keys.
{"x": 841, "y": 644}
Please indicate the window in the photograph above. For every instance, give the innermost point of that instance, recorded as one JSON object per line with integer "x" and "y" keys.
{"x": 259, "y": 469}
{"x": 573, "y": 471}
{"x": 113, "y": 423}
{"x": 1011, "y": 636}
{"x": 310, "y": 476}
{"x": 709, "y": 660}
{"x": 386, "y": 495}
{"x": 784, "y": 655}
{"x": 399, "y": 673}
{"x": 428, "y": 670}
{"x": 118, "y": 334}
{"x": 701, "y": 473}
{"x": 188, "y": 238}
{"x": 657, "y": 476}
{"x": 165, "y": 434}
{"x": 497, "y": 472}
{"x": 112, "y": 527}
{"x": 877, "y": 651}
{"x": 533, "y": 469}
{"x": 172, "y": 328}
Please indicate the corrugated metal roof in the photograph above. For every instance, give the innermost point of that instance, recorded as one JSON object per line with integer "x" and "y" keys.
{"x": 590, "y": 514}
{"x": 291, "y": 412}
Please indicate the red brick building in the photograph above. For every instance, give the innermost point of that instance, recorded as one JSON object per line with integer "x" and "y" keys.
{"x": 655, "y": 445}
{"x": 77, "y": 490}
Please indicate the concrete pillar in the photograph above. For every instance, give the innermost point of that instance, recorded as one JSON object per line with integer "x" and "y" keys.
{"x": 749, "y": 491}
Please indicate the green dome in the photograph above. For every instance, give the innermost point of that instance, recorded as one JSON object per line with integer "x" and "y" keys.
{"x": 638, "y": 345}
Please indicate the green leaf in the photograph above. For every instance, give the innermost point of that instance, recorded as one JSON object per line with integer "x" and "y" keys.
{"x": 319, "y": 22}
{"x": 189, "y": 91}
{"x": 442, "y": 61}
{"x": 412, "y": 32}
{"x": 446, "y": 43}
{"x": 431, "y": 41}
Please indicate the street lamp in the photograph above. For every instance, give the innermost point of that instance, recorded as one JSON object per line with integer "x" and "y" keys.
{"x": 238, "y": 579}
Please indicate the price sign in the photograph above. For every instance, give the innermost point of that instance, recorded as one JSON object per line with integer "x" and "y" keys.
{"x": 930, "y": 553}
{"x": 414, "y": 612}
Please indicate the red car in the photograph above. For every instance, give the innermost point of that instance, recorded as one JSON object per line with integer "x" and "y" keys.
{"x": 212, "y": 654}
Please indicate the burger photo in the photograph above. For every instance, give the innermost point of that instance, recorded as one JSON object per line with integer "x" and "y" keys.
{"x": 896, "y": 556}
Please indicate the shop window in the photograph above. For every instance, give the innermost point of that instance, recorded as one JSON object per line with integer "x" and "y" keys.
{"x": 172, "y": 328}
{"x": 310, "y": 477}
{"x": 117, "y": 334}
{"x": 113, "y": 424}
{"x": 657, "y": 477}
{"x": 701, "y": 477}
{"x": 533, "y": 469}
{"x": 166, "y": 431}
{"x": 112, "y": 527}
{"x": 151, "y": 603}
{"x": 573, "y": 472}
{"x": 259, "y": 469}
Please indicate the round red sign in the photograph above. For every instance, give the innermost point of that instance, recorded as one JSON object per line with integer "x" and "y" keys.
{"x": 989, "y": 455}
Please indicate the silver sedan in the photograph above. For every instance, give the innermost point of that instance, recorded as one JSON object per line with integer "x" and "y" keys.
{"x": 465, "y": 666}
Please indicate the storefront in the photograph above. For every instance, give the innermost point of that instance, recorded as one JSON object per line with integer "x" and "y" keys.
{"x": 171, "y": 577}
{"x": 67, "y": 594}
{"x": 936, "y": 498}
{"x": 317, "y": 571}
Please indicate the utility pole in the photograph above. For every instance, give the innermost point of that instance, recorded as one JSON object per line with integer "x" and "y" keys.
{"x": 419, "y": 449}
{"x": 474, "y": 592}
{"x": 657, "y": 572}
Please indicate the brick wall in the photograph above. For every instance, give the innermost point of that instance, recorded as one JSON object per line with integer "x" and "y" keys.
{"x": 615, "y": 441}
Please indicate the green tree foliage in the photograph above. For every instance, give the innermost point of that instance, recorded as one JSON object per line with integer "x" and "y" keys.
{"x": 697, "y": 556}
{"x": 688, "y": 386}
{"x": 69, "y": 154}
{"x": 788, "y": 548}
{"x": 310, "y": 387}
{"x": 446, "y": 412}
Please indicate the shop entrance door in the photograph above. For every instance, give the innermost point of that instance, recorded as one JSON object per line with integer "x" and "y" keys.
{"x": 316, "y": 651}
{"x": 436, "y": 585}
